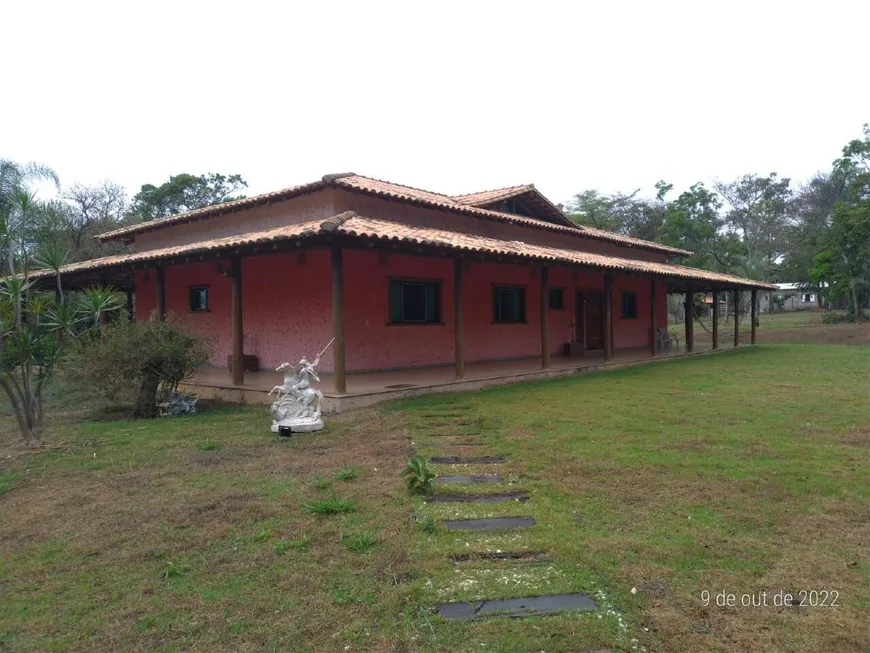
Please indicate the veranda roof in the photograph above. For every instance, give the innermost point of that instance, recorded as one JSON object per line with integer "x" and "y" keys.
{"x": 399, "y": 193}
{"x": 354, "y": 227}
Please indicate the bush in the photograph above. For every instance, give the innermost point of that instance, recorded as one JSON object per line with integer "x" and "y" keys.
{"x": 139, "y": 363}
{"x": 833, "y": 317}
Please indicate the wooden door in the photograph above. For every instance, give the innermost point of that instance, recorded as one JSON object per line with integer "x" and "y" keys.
{"x": 593, "y": 310}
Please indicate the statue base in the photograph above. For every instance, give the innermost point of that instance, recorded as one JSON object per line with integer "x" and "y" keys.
{"x": 298, "y": 425}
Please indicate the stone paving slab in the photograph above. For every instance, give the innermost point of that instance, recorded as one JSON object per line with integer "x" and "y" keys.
{"x": 524, "y": 607}
{"x": 489, "y": 523}
{"x": 472, "y": 460}
{"x": 502, "y": 497}
{"x": 536, "y": 556}
{"x": 473, "y": 478}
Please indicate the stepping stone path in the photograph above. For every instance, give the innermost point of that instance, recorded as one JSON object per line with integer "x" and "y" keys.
{"x": 456, "y": 460}
{"x": 478, "y": 498}
{"x": 489, "y": 523}
{"x": 517, "y": 607}
{"x": 473, "y": 478}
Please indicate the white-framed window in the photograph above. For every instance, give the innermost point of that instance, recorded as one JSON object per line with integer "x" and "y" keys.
{"x": 808, "y": 298}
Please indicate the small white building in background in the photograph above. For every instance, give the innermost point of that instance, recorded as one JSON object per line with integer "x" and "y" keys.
{"x": 788, "y": 297}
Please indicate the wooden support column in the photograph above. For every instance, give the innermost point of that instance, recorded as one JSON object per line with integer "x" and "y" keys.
{"x": 160, "y": 286}
{"x": 715, "y": 319}
{"x": 653, "y": 333}
{"x": 736, "y": 318}
{"x": 130, "y": 315}
{"x": 608, "y": 316}
{"x": 754, "y": 314}
{"x": 690, "y": 319}
{"x": 236, "y": 311}
{"x": 339, "y": 378}
{"x": 545, "y": 313}
{"x": 458, "y": 335}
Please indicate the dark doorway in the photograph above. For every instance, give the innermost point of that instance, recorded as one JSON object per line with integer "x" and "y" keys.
{"x": 589, "y": 319}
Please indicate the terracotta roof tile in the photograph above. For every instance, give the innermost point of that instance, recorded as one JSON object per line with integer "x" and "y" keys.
{"x": 397, "y": 192}
{"x": 490, "y": 196}
{"x": 408, "y": 194}
{"x": 215, "y": 209}
{"x": 353, "y": 225}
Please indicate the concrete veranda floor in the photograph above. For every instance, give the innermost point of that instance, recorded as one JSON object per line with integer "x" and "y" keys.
{"x": 372, "y": 387}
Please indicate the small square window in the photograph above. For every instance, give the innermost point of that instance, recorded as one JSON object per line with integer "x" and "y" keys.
{"x": 415, "y": 302}
{"x": 557, "y": 299}
{"x": 629, "y": 305}
{"x": 198, "y": 299}
{"x": 509, "y": 304}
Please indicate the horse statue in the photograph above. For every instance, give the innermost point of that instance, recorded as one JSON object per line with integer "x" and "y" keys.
{"x": 298, "y": 405}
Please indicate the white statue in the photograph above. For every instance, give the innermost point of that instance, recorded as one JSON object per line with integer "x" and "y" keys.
{"x": 299, "y": 405}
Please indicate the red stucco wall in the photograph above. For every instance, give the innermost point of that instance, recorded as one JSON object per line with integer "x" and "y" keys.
{"x": 287, "y": 301}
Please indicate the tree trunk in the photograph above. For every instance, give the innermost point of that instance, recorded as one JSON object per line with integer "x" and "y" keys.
{"x": 855, "y": 302}
{"x": 146, "y": 399}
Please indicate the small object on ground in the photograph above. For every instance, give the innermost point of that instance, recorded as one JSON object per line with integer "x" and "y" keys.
{"x": 474, "y": 460}
{"x": 179, "y": 403}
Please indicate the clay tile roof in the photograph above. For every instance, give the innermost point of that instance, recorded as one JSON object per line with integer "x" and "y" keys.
{"x": 435, "y": 200}
{"x": 491, "y": 196}
{"x": 352, "y": 225}
{"x": 210, "y": 211}
{"x": 397, "y": 192}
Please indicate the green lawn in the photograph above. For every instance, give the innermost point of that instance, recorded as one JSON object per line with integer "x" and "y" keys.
{"x": 741, "y": 472}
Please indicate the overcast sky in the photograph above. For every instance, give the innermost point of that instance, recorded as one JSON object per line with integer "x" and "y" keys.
{"x": 451, "y": 97}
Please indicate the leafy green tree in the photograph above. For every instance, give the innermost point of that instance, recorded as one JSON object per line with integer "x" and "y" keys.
{"x": 842, "y": 268}
{"x": 184, "y": 193}
{"x": 628, "y": 215}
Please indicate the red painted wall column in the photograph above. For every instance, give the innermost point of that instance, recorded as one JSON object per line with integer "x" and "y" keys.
{"x": 339, "y": 378}
{"x": 236, "y": 312}
{"x": 458, "y": 336}
{"x": 690, "y": 319}
{"x": 545, "y": 322}
{"x": 160, "y": 287}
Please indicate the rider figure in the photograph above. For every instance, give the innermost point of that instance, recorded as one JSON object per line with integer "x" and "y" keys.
{"x": 307, "y": 371}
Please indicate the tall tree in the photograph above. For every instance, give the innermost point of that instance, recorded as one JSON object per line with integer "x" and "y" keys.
{"x": 842, "y": 268}
{"x": 628, "y": 215}
{"x": 18, "y": 210}
{"x": 184, "y": 193}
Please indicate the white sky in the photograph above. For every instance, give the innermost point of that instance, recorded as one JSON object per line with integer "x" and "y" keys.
{"x": 451, "y": 97}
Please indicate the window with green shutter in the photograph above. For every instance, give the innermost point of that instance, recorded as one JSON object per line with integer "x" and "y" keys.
{"x": 415, "y": 302}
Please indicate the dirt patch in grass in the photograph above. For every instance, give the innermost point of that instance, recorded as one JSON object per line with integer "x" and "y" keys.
{"x": 859, "y": 437}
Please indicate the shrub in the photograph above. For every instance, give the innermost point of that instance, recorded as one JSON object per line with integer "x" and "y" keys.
{"x": 418, "y": 476}
{"x": 139, "y": 362}
{"x": 833, "y": 317}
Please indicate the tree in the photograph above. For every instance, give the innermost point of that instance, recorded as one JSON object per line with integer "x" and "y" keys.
{"x": 184, "y": 193}
{"x": 811, "y": 217}
{"x": 18, "y": 210}
{"x": 842, "y": 268}
{"x": 624, "y": 214}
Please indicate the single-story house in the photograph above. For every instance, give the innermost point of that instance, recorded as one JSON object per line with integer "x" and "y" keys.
{"x": 403, "y": 279}
{"x": 789, "y": 297}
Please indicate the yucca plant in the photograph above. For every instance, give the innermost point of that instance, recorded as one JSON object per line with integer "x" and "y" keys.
{"x": 418, "y": 476}
{"x": 30, "y": 347}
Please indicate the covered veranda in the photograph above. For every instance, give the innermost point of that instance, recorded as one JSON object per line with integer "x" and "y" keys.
{"x": 350, "y": 231}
